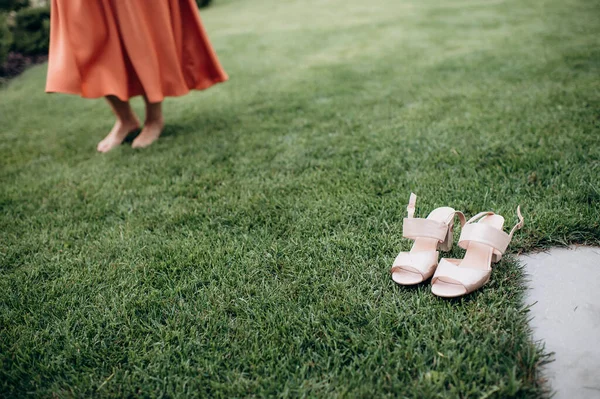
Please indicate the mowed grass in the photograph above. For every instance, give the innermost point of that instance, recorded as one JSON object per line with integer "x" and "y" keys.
{"x": 246, "y": 254}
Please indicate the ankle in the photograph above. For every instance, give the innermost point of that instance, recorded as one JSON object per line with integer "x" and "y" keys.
{"x": 130, "y": 122}
{"x": 155, "y": 122}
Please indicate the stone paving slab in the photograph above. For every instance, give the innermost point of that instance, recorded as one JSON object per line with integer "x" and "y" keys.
{"x": 564, "y": 284}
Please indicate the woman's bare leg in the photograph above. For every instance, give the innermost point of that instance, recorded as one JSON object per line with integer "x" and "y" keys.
{"x": 153, "y": 125}
{"x": 126, "y": 123}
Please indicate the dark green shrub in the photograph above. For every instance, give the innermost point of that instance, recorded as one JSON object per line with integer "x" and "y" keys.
{"x": 5, "y": 39}
{"x": 13, "y": 5}
{"x": 31, "y": 31}
{"x": 201, "y": 3}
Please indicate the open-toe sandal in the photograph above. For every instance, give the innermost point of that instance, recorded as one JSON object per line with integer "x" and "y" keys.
{"x": 430, "y": 235}
{"x": 485, "y": 242}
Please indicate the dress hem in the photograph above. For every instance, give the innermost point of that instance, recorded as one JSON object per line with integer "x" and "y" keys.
{"x": 203, "y": 86}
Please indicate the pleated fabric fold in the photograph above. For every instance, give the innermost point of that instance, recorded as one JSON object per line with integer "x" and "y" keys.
{"x": 127, "y": 48}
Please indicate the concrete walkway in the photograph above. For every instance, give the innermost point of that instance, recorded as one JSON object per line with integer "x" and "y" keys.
{"x": 565, "y": 283}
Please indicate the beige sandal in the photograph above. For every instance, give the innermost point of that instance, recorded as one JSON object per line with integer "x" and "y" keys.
{"x": 485, "y": 243}
{"x": 429, "y": 234}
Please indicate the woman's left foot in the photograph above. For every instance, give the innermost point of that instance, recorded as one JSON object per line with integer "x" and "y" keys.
{"x": 150, "y": 133}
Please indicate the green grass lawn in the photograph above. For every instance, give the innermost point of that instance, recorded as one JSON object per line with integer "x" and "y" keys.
{"x": 247, "y": 252}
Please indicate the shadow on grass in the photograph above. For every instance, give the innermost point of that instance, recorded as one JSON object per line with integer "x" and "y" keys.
{"x": 171, "y": 129}
{"x": 426, "y": 285}
{"x": 176, "y": 129}
{"x": 132, "y": 136}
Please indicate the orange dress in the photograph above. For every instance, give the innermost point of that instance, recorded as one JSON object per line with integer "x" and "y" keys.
{"x": 126, "y": 48}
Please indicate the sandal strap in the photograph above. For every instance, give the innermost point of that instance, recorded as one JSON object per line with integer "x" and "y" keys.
{"x": 410, "y": 209}
{"x": 461, "y": 217}
{"x": 414, "y": 228}
{"x": 488, "y": 235}
{"x": 422, "y": 262}
{"x": 479, "y": 216}
{"x": 519, "y": 225}
{"x": 484, "y": 234}
{"x": 449, "y": 270}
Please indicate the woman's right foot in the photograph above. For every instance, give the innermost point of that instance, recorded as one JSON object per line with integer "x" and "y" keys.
{"x": 150, "y": 133}
{"x": 117, "y": 135}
